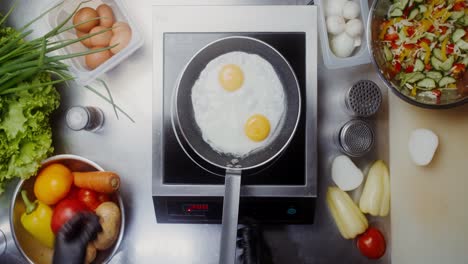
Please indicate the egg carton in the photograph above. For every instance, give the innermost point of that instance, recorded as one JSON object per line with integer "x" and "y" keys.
{"x": 77, "y": 66}
{"x": 359, "y": 56}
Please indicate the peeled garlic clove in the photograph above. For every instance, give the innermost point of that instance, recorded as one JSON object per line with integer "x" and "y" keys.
{"x": 335, "y": 24}
{"x": 354, "y": 28}
{"x": 342, "y": 45}
{"x": 345, "y": 174}
{"x": 422, "y": 146}
{"x": 351, "y": 10}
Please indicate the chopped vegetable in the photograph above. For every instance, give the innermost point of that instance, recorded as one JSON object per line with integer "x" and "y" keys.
{"x": 348, "y": 218}
{"x": 345, "y": 174}
{"x": 99, "y": 181}
{"x": 375, "y": 198}
{"x": 422, "y": 145}
{"x": 92, "y": 199}
{"x": 422, "y": 36}
{"x": 110, "y": 220}
{"x": 64, "y": 211}
{"x": 53, "y": 183}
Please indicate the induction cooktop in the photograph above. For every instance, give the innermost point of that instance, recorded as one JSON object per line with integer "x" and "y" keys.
{"x": 188, "y": 190}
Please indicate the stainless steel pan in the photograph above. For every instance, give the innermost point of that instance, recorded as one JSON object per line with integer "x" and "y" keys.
{"x": 234, "y": 165}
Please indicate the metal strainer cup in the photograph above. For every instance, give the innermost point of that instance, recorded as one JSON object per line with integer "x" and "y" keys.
{"x": 363, "y": 99}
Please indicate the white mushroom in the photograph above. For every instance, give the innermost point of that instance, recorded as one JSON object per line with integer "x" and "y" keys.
{"x": 335, "y": 25}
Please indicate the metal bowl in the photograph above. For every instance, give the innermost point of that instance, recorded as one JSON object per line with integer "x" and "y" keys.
{"x": 377, "y": 15}
{"x": 30, "y": 248}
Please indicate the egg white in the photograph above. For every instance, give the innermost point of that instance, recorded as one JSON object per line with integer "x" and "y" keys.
{"x": 221, "y": 115}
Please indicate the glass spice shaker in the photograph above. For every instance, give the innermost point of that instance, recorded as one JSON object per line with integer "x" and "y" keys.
{"x": 87, "y": 118}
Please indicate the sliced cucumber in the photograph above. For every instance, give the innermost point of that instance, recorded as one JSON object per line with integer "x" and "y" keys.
{"x": 457, "y": 14}
{"x": 458, "y": 34}
{"x": 418, "y": 65}
{"x": 462, "y": 44}
{"x": 435, "y": 75}
{"x": 418, "y": 1}
{"x": 414, "y": 77}
{"x": 436, "y": 63}
{"x": 447, "y": 64}
{"x": 443, "y": 37}
{"x": 413, "y": 13}
{"x": 446, "y": 80}
{"x": 422, "y": 8}
{"x": 427, "y": 83}
{"x": 396, "y": 13}
{"x": 403, "y": 3}
{"x": 437, "y": 53}
{"x": 429, "y": 36}
{"x": 465, "y": 21}
{"x": 465, "y": 61}
{"x": 388, "y": 54}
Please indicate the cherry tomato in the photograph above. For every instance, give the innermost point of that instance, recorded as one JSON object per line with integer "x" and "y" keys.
{"x": 64, "y": 211}
{"x": 391, "y": 37}
{"x": 371, "y": 243}
{"x": 459, "y": 6}
{"x": 91, "y": 198}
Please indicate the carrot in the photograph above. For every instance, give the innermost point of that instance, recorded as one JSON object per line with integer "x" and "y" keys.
{"x": 99, "y": 181}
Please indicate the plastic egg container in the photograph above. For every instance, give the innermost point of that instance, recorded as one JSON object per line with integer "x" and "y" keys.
{"x": 78, "y": 68}
{"x": 360, "y": 54}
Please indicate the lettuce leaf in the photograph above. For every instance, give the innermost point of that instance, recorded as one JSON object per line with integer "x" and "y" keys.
{"x": 25, "y": 132}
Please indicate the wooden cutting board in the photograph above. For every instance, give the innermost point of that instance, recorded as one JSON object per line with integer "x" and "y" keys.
{"x": 429, "y": 221}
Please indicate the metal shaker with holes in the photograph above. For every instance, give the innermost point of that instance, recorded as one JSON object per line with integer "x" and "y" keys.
{"x": 356, "y": 138}
{"x": 363, "y": 99}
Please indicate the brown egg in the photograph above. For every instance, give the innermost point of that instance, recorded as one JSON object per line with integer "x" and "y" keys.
{"x": 83, "y": 15}
{"x": 106, "y": 15}
{"x": 119, "y": 26}
{"x": 86, "y": 42}
{"x": 121, "y": 38}
{"x": 102, "y": 39}
{"x": 96, "y": 59}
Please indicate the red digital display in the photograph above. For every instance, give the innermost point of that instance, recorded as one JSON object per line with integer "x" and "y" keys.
{"x": 195, "y": 207}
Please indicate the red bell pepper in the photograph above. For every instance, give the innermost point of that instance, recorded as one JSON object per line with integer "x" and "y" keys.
{"x": 410, "y": 69}
{"x": 64, "y": 211}
{"x": 450, "y": 48}
{"x": 460, "y": 6}
{"x": 391, "y": 37}
{"x": 91, "y": 198}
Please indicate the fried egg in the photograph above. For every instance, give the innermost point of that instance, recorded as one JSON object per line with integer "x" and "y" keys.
{"x": 239, "y": 103}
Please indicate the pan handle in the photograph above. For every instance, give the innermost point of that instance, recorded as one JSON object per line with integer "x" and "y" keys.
{"x": 232, "y": 186}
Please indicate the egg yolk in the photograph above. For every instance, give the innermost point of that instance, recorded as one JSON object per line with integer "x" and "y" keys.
{"x": 257, "y": 128}
{"x": 231, "y": 77}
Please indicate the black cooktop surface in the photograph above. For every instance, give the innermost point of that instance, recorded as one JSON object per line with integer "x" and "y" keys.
{"x": 287, "y": 169}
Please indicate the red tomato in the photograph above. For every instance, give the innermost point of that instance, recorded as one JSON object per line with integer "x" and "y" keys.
{"x": 428, "y": 67}
{"x": 431, "y": 28}
{"x": 443, "y": 29}
{"x": 371, "y": 243}
{"x": 459, "y": 67}
{"x": 397, "y": 67}
{"x": 391, "y": 37}
{"x": 408, "y": 10}
{"x": 410, "y": 31}
{"x": 459, "y": 6}
{"x": 409, "y": 46}
{"x": 428, "y": 42}
{"x": 64, "y": 211}
{"x": 394, "y": 45}
{"x": 91, "y": 198}
{"x": 73, "y": 193}
{"x": 409, "y": 69}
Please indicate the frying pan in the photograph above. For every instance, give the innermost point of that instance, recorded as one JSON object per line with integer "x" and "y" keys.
{"x": 233, "y": 165}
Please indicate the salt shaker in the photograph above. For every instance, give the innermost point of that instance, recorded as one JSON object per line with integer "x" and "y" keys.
{"x": 87, "y": 118}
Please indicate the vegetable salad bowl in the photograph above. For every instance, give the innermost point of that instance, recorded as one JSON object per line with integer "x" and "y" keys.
{"x": 31, "y": 249}
{"x": 424, "y": 97}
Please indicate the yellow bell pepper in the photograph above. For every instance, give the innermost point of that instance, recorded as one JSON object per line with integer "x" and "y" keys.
{"x": 348, "y": 218}
{"x": 443, "y": 49}
{"x": 375, "y": 198}
{"x": 428, "y": 52}
{"x": 37, "y": 219}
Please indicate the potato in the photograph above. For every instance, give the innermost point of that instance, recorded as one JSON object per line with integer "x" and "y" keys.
{"x": 109, "y": 218}
{"x": 90, "y": 253}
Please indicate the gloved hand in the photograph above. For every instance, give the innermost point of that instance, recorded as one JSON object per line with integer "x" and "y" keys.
{"x": 74, "y": 236}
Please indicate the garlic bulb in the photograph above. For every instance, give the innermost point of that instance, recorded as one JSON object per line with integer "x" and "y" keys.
{"x": 342, "y": 45}
{"x": 354, "y": 27}
{"x": 333, "y": 7}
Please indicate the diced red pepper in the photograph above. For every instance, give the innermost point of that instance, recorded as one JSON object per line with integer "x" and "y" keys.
{"x": 450, "y": 48}
{"x": 428, "y": 67}
{"x": 426, "y": 40}
{"x": 408, "y": 10}
{"x": 391, "y": 37}
{"x": 438, "y": 94}
{"x": 394, "y": 45}
{"x": 458, "y": 67}
{"x": 431, "y": 29}
{"x": 460, "y": 6}
{"x": 409, "y": 46}
{"x": 410, "y": 69}
{"x": 397, "y": 67}
{"x": 410, "y": 31}
{"x": 443, "y": 29}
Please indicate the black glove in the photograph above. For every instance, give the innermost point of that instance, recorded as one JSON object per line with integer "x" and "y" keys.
{"x": 73, "y": 238}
